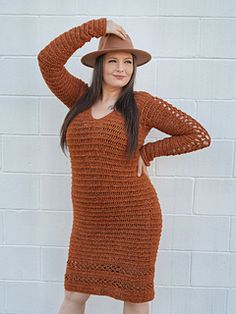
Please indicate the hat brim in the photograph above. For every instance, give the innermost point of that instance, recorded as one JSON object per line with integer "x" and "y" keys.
{"x": 142, "y": 56}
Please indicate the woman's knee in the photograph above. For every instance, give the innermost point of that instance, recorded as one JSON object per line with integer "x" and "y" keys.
{"x": 76, "y": 297}
{"x": 137, "y": 307}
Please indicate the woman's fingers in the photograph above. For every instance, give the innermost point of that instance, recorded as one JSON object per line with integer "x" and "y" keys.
{"x": 121, "y": 32}
{"x": 114, "y": 28}
{"x": 142, "y": 167}
{"x": 145, "y": 169}
{"x": 139, "y": 167}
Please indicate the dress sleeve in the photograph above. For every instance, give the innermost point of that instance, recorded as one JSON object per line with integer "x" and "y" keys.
{"x": 53, "y": 57}
{"x": 187, "y": 134}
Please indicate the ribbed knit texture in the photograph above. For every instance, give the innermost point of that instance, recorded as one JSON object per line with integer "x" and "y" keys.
{"x": 117, "y": 218}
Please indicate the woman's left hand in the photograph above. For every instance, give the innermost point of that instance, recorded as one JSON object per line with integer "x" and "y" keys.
{"x": 142, "y": 167}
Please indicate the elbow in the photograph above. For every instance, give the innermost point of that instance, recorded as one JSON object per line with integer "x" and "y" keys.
{"x": 43, "y": 65}
{"x": 40, "y": 58}
{"x": 206, "y": 141}
{"x": 201, "y": 140}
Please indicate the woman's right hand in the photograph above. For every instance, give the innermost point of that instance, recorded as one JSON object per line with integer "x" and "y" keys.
{"x": 114, "y": 28}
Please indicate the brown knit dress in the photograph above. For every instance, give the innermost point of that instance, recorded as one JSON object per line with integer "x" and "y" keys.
{"x": 117, "y": 218}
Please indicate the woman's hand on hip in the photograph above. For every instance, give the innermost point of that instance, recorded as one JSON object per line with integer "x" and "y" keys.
{"x": 114, "y": 28}
{"x": 142, "y": 167}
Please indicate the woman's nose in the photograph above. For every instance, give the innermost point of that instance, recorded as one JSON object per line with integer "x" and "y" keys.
{"x": 120, "y": 66}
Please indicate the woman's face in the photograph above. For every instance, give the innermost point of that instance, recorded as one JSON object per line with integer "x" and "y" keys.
{"x": 117, "y": 68}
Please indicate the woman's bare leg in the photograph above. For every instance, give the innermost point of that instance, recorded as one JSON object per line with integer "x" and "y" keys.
{"x": 136, "y": 308}
{"x": 73, "y": 303}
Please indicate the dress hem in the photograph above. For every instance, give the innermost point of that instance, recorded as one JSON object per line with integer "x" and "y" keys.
{"x": 105, "y": 292}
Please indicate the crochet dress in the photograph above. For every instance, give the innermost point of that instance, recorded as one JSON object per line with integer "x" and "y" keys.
{"x": 117, "y": 217}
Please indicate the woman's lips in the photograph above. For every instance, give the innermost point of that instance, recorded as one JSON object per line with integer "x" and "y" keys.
{"x": 119, "y": 77}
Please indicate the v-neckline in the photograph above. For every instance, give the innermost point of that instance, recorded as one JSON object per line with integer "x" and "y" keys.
{"x": 102, "y": 118}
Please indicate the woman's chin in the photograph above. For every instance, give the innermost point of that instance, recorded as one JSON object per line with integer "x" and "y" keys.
{"x": 119, "y": 84}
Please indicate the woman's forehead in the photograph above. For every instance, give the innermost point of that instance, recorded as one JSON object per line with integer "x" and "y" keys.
{"x": 118, "y": 54}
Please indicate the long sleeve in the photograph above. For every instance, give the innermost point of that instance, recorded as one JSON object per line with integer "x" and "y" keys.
{"x": 187, "y": 134}
{"x": 54, "y": 56}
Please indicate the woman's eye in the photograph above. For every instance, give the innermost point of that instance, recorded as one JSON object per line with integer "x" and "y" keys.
{"x": 125, "y": 61}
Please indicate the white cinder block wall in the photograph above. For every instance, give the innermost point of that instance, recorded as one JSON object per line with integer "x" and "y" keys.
{"x": 193, "y": 66}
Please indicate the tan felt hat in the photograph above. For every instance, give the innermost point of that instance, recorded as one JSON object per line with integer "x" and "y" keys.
{"x": 111, "y": 42}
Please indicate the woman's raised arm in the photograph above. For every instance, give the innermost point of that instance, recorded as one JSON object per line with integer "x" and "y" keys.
{"x": 54, "y": 56}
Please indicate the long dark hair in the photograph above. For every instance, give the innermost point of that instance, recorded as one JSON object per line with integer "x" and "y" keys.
{"x": 125, "y": 104}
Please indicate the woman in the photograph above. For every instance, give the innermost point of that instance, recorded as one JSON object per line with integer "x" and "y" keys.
{"x": 117, "y": 219}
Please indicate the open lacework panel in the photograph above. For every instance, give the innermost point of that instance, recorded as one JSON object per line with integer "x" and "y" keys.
{"x": 107, "y": 277}
{"x": 187, "y": 134}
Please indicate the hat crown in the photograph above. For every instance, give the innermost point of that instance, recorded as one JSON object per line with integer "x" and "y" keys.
{"x": 112, "y": 41}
